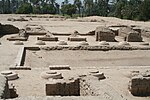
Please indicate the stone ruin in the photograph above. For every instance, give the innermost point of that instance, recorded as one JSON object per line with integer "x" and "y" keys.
{"x": 83, "y": 43}
{"x": 116, "y": 28}
{"x": 104, "y": 43}
{"x": 146, "y": 32}
{"x": 18, "y": 42}
{"x": 123, "y": 43}
{"x": 63, "y": 87}
{"x": 62, "y": 42}
{"x": 51, "y": 74}
{"x": 17, "y": 19}
{"x": 8, "y": 29}
{"x": 130, "y": 35}
{"x": 7, "y": 90}
{"x": 22, "y": 36}
{"x": 75, "y": 36}
{"x": 48, "y": 37}
{"x": 10, "y": 75}
{"x": 59, "y": 67}
{"x": 104, "y": 34}
{"x": 35, "y": 29}
{"x": 137, "y": 28}
{"x": 4, "y": 89}
{"x": 97, "y": 74}
{"x": 144, "y": 44}
{"x": 74, "y": 86}
{"x": 140, "y": 83}
{"x": 12, "y": 91}
{"x": 133, "y": 36}
{"x": 40, "y": 42}
{"x": 91, "y": 33}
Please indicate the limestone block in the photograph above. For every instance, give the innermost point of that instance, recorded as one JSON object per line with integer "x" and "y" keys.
{"x": 59, "y": 67}
{"x": 10, "y": 75}
{"x": 51, "y": 74}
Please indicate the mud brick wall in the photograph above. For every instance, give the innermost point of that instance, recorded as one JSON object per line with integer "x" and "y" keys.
{"x": 71, "y": 88}
{"x": 140, "y": 85}
{"x": 104, "y": 34}
{"x": 134, "y": 36}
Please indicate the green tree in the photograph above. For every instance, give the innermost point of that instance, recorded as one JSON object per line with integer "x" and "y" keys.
{"x": 131, "y": 9}
{"x": 88, "y": 7}
{"x": 25, "y": 8}
{"x": 48, "y": 9}
{"x": 119, "y": 7}
{"x": 35, "y": 2}
{"x": 36, "y": 9}
{"x": 102, "y": 7}
{"x": 145, "y": 10}
{"x": 3, "y": 6}
{"x": 78, "y": 4}
{"x": 68, "y": 9}
{"x": 25, "y": 1}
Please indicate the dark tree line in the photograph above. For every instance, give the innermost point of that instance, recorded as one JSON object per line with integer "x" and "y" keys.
{"x": 124, "y": 9}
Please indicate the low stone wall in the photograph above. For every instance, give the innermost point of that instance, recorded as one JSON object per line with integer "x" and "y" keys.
{"x": 20, "y": 57}
{"x": 22, "y": 36}
{"x": 140, "y": 84}
{"x": 93, "y": 48}
{"x": 19, "y": 62}
{"x": 63, "y": 88}
{"x": 17, "y": 39}
{"x": 60, "y": 98}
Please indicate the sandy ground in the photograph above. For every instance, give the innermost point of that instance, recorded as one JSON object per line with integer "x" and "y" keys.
{"x": 31, "y": 84}
{"x": 87, "y": 58}
{"x": 116, "y": 65}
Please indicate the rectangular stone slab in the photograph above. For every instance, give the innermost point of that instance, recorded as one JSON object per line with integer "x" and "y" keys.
{"x": 59, "y": 67}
